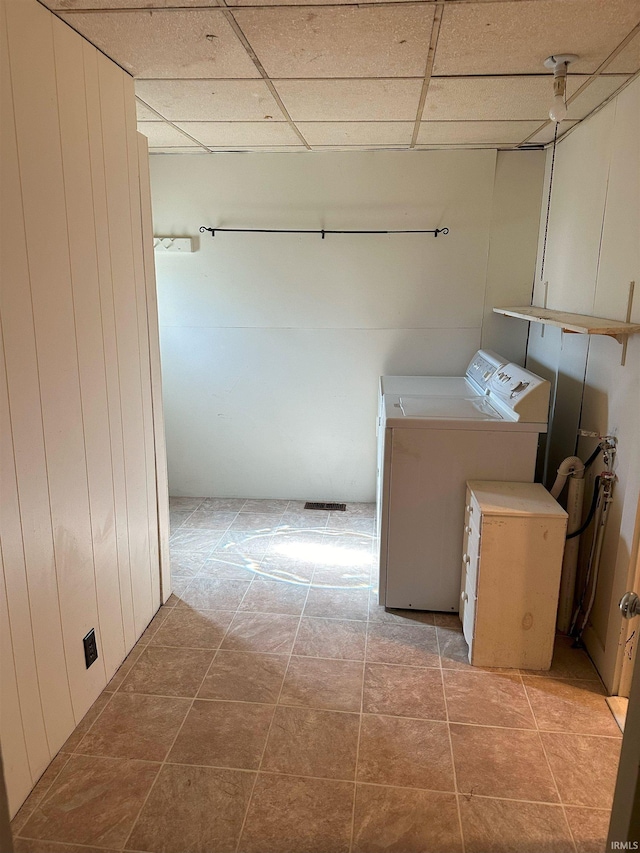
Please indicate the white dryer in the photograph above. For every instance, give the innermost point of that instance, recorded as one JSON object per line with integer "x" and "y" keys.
{"x": 435, "y": 433}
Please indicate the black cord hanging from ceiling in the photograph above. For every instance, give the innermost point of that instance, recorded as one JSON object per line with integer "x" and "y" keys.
{"x": 546, "y": 224}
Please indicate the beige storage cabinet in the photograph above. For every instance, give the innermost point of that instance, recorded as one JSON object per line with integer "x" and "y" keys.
{"x": 514, "y": 535}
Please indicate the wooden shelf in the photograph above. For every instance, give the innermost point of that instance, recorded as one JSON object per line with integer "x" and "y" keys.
{"x": 580, "y": 324}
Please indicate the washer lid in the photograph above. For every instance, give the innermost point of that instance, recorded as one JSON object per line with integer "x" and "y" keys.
{"x": 458, "y": 408}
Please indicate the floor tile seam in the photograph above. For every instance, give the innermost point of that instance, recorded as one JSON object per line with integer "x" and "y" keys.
{"x": 340, "y": 711}
{"x": 548, "y": 763}
{"x": 357, "y": 761}
{"x": 616, "y": 738}
{"x": 108, "y": 702}
{"x": 182, "y": 648}
{"x": 39, "y": 800}
{"x": 80, "y": 847}
{"x": 460, "y": 794}
{"x": 164, "y": 762}
{"x": 453, "y": 763}
{"x": 224, "y": 527}
{"x": 266, "y": 741}
{"x": 188, "y": 513}
{"x": 468, "y": 795}
{"x": 546, "y": 676}
{"x": 538, "y": 679}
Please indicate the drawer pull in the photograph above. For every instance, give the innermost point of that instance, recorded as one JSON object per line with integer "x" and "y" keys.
{"x": 469, "y": 509}
{"x": 466, "y": 559}
{"x": 464, "y": 597}
{"x": 467, "y": 529}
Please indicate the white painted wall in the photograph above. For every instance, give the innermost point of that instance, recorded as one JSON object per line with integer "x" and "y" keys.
{"x": 272, "y": 344}
{"x": 593, "y": 253}
{"x": 80, "y": 518}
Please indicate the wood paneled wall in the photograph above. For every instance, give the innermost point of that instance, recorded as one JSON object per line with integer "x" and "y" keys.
{"x": 83, "y": 479}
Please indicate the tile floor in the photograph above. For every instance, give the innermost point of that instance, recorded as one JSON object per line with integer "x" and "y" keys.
{"x": 273, "y": 707}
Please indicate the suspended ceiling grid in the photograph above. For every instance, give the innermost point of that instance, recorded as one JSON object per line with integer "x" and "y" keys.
{"x": 292, "y": 76}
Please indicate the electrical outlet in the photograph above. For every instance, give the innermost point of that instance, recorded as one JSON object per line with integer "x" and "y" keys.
{"x": 90, "y": 648}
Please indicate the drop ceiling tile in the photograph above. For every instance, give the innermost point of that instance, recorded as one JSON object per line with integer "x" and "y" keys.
{"x": 243, "y": 134}
{"x": 143, "y": 112}
{"x": 162, "y": 135}
{"x": 350, "y": 100}
{"x": 628, "y": 60}
{"x": 368, "y": 41}
{"x": 516, "y": 37}
{"x": 597, "y": 92}
{"x": 210, "y": 100}
{"x": 404, "y": 147}
{"x": 464, "y": 147}
{"x": 472, "y": 132}
{"x": 194, "y": 149}
{"x": 357, "y": 133}
{"x": 492, "y": 98}
{"x": 545, "y": 134}
{"x": 258, "y": 149}
{"x": 181, "y": 43}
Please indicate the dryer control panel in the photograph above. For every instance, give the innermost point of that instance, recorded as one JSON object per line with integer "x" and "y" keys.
{"x": 522, "y": 392}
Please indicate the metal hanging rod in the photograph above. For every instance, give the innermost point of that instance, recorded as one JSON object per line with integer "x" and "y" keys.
{"x": 322, "y": 231}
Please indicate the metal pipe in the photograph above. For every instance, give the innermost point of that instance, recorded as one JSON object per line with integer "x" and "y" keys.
{"x": 323, "y": 231}
{"x": 607, "y": 479}
{"x": 572, "y": 546}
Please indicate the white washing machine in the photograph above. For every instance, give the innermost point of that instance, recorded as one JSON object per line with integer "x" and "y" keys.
{"x": 434, "y": 434}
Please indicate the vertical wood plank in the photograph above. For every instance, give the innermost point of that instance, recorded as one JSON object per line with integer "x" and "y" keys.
{"x": 17, "y": 652}
{"x": 14, "y": 745}
{"x": 74, "y": 138}
{"x": 162, "y": 482}
{"x": 38, "y": 581}
{"x": 103, "y": 250}
{"x": 15, "y": 725}
{"x": 36, "y": 113}
{"x": 143, "y": 340}
{"x": 116, "y": 162}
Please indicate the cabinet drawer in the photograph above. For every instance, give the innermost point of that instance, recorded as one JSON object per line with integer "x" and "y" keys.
{"x": 468, "y": 616}
{"x": 470, "y": 559}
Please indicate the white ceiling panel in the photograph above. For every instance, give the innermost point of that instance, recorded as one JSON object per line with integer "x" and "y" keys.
{"x": 597, "y": 92}
{"x": 350, "y": 100}
{"x": 241, "y": 133}
{"x": 492, "y": 98}
{"x": 210, "y": 100}
{"x": 628, "y": 60}
{"x": 516, "y": 37}
{"x": 261, "y": 149}
{"x": 369, "y": 41}
{"x": 143, "y": 113}
{"x": 350, "y": 76}
{"x": 194, "y": 149}
{"x": 162, "y": 135}
{"x": 357, "y": 133}
{"x": 472, "y": 132}
{"x": 545, "y": 134}
{"x": 183, "y": 43}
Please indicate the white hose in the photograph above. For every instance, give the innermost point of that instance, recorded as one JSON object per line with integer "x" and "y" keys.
{"x": 570, "y": 560}
{"x": 571, "y": 466}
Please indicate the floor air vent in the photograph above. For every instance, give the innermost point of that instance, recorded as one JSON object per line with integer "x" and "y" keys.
{"x": 320, "y": 505}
